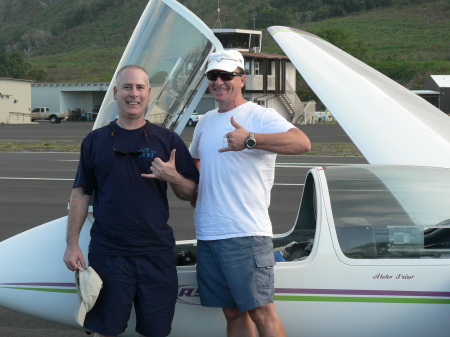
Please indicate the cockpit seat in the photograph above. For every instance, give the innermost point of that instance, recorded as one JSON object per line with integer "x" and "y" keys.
{"x": 356, "y": 238}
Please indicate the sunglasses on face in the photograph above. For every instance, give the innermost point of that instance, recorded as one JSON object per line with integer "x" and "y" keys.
{"x": 224, "y": 75}
{"x": 132, "y": 154}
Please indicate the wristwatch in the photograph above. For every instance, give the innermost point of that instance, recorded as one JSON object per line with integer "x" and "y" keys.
{"x": 250, "y": 142}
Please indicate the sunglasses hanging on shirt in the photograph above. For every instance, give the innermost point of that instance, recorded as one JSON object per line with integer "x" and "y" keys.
{"x": 132, "y": 154}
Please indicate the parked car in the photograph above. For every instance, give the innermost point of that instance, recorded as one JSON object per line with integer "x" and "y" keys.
{"x": 44, "y": 113}
{"x": 195, "y": 117}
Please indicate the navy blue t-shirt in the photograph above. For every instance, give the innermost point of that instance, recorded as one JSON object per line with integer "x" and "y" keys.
{"x": 131, "y": 212}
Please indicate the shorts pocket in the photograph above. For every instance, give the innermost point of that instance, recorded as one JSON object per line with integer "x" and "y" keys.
{"x": 265, "y": 260}
{"x": 265, "y": 263}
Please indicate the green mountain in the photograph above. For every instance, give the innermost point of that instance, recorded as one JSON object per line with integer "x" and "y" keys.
{"x": 83, "y": 40}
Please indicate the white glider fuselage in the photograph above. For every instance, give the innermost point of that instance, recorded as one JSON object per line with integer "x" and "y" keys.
{"x": 371, "y": 240}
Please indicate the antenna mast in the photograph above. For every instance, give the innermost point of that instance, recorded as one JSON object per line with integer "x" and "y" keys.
{"x": 218, "y": 24}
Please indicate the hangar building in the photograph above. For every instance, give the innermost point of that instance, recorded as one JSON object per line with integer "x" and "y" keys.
{"x": 15, "y": 100}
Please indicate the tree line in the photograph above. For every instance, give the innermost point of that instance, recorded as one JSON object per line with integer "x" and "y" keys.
{"x": 14, "y": 65}
{"x": 260, "y": 14}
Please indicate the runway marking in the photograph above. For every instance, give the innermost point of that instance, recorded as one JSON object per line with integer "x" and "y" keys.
{"x": 292, "y": 165}
{"x": 18, "y": 178}
{"x": 304, "y": 165}
{"x": 33, "y": 152}
{"x": 60, "y": 179}
{"x": 312, "y": 164}
{"x": 280, "y": 184}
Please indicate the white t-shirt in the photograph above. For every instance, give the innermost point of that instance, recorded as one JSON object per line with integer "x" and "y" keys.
{"x": 234, "y": 188}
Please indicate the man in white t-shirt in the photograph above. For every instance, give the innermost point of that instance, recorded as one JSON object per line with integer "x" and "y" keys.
{"x": 235, "y": 148}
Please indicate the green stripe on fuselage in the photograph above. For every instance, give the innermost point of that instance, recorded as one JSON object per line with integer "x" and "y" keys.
{"x": 362, "y": 299}
{"x": 50, "y": 290}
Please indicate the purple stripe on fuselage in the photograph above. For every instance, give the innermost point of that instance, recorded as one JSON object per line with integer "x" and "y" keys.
{"x": 42, "y": 284}
{"x": 362, "y": 292}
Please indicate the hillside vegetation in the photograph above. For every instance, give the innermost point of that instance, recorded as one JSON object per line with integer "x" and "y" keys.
{"x": 83, "y": 40}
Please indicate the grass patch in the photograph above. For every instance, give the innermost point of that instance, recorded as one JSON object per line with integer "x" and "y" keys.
{"x": 333, "y": 149}
{"x": 40, "y": 146}
{"x": 85, "y": 65}
{"x": 318, "y": 149}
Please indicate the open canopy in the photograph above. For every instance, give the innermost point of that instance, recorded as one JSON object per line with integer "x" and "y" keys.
{"x": 172, "y": 45}
{"x": 387, "y": 122}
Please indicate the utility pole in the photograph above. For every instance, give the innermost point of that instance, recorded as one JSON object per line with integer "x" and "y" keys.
{"x": 254, "y": 19}
{"x": 218, "y": 24}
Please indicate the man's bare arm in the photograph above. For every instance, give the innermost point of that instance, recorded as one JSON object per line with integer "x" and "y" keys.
{"x": 79, "y": 206}
{"x": 292, "y": 141}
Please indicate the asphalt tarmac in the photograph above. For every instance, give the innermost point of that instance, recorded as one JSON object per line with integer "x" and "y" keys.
{"x": 323, "y": 133}
{"x": 35, "y": 187}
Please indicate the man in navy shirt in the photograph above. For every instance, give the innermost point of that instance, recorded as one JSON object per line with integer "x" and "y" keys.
{"x": 125, "y": 167}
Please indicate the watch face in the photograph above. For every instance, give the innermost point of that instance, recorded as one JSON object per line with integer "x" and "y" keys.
{"x": 251, "y": 143}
